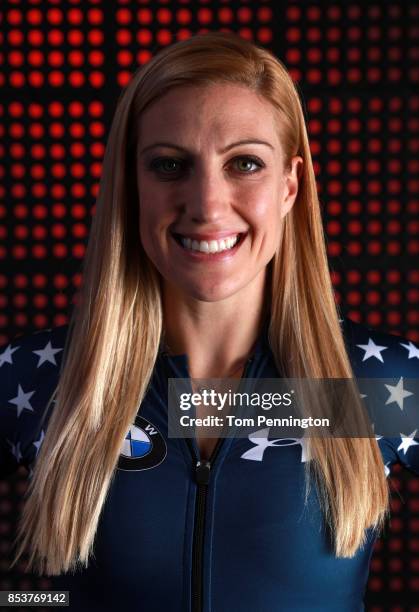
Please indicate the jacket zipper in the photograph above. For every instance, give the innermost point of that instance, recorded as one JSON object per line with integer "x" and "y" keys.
{"x": 202, "y": 475}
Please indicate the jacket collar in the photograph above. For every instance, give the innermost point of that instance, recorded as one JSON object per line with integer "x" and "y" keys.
{"x": 179, "y": 363}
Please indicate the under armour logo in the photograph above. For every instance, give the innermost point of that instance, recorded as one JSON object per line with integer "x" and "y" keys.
{"x": 260, "y": 438}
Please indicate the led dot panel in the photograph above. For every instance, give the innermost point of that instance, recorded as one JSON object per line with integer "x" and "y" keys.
{"x": 62, "y": 67}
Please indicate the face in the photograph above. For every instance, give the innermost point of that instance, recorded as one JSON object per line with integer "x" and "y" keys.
{"x": 211, "y": 208}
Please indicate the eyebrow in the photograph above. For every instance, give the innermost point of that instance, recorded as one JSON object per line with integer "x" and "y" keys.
{"x": 227, "y": 148}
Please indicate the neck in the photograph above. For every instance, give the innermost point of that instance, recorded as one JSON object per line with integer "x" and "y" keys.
{"x": 218, "y": 337}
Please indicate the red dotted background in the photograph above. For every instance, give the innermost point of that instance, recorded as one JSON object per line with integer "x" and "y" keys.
{"x": 62, "y": 67}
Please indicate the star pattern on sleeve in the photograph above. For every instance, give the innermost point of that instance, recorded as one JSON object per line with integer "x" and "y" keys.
{"x": 386, "y": 465}
{"x": 407, "y": 441}
{"x": 6, "y": 355}
{"x": 16, "y": 452}
{"x": 22, "y": 400}
{"x": 47, "y": 354}
{"x": 397, "y": 393}
{"x": 395, "y": 398}
{"x": 29, "y": 368}
{"x": 413, "y": 350}
{"x": 37, "y": 443}
{"x": 372, "y": 350}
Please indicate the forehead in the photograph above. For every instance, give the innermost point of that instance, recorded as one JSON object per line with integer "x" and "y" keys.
{"x": 217, "y": 109}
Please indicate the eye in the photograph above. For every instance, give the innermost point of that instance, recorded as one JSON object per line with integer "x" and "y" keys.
{"x": 165, "y": 163}
{"x": 250, "y": 160}
{"x": 170, "y": 166}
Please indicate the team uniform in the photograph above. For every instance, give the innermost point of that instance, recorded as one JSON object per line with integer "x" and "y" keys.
{"x": 177, "y": 534}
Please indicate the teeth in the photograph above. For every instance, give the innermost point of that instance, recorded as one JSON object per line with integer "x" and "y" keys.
{"x": 213, "y": 246}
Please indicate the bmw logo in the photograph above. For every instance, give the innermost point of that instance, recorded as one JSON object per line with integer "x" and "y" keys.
{"x": 143, "y": 447}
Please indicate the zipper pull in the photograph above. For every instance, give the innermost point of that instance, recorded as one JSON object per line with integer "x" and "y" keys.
{"x": 202, "y": 472}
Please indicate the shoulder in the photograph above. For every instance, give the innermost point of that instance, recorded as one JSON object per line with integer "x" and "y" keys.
{"x": 32, "y": 359}
{"x": 374, "y": 353}
{"x": 29, "y": 372}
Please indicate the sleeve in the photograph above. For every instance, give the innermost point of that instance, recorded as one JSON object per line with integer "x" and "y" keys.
{"x": 403, "y": 450}
{"x": 29, "y": 366}
{"x": 10, "y": 444}
{"x": 395, "y": 361}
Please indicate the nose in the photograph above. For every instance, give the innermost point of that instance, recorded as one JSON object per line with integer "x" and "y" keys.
{"x": 208, "y": 201}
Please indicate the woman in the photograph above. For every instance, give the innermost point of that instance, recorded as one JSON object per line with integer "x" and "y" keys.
{"x": 206, "y": 258}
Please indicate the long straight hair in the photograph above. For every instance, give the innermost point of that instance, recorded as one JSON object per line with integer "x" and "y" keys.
{"x": 116, "y": 326}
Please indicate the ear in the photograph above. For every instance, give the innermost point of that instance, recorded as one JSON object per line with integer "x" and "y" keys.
{"x": 291, "y": 179}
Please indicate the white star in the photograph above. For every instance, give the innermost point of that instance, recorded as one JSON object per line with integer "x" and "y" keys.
{"x": 47, "y": 354}
{"x": 386, "y": 469}
{"x": 16, "y": 451}
{"x": 407, "y": 441}
{"x": 377, "y": 437}
{"x": 22, "y": 400}
{"x": 6, "y": 355}
{"x": 397, "y": 393}
{"x": 38, "y": 443}
{"x": 413, "y": 350}
{"x": 372, "y": 350}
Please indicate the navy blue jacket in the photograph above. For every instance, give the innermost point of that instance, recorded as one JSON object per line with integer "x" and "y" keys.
{"x": 230, "y": 535}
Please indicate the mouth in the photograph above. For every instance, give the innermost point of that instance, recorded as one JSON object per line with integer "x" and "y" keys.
{"x": 210, "y": 248}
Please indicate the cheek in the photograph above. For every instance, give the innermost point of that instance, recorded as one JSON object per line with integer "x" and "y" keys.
{"x": 155, "y": 203}
{"x": 264, "y": 215}
{"x": 262, "y": 200}
{"x": 147, "y": 227}
{"x": 151, "y": 207}
{"x": 265, "y": 221}
{"x": 145, "y": 220}
{"x": 154, "y": 220}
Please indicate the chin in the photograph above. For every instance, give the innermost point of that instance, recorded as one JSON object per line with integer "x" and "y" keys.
{"x": 210, "y": 294}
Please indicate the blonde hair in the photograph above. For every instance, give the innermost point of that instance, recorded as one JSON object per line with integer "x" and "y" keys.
{"x": 115, "y": 329}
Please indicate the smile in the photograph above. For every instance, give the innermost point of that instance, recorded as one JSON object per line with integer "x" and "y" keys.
{"x": 213, "y": 249}
{"x": 208, "y": 246}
